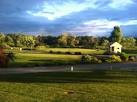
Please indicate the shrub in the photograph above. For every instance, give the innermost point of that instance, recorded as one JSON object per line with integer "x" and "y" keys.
{"x": 132, "y": 58}
{"x": 90, "y": 59}
{"x": 5, "y": 58}
{"x": 10, "y": 56}
{"x": 28, "y": 49}
{"x": 51, "y": 51}
{"x": 116, "y": 58}
{"x": 109, "y": 53}
{"x": 113, "y": 59}
{"x": 106, "y": 53}
{"x": 86, "y": 59}
{"x": 78, "y": 53}
{"x": 58, "y": 52}
{"x": 41, "y": 47}
{"x": 95, "y": 60}
{"x": 123, "y": 56}
{"x": 68, "y": 53}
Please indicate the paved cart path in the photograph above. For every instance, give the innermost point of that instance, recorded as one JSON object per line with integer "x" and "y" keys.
{"x": 67, "y": 68}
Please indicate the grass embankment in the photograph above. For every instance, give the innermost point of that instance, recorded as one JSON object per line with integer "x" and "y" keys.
{"x": 95, "y": 86}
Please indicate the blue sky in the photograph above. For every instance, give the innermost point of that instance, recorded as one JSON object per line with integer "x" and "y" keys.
{"x": 83, "y": 17}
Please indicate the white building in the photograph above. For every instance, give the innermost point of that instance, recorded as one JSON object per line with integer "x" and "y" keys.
{"x": 116, "y": 47}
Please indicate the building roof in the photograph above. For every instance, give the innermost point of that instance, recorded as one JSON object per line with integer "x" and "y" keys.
{"x": 115, "y": 44}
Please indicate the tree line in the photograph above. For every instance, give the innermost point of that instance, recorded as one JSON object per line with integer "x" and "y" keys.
{"x": 66, "y": 40}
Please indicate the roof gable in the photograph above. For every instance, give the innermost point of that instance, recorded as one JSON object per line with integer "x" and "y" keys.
{"x": 115, "y": 44}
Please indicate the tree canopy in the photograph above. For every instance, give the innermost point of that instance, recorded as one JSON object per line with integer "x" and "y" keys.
{"x": 116, "y": 35}
{"x": 66, "y": 40}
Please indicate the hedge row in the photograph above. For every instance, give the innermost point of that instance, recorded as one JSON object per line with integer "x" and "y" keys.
{"x": 88, "y": 59}
{"x": 69, "y": 53}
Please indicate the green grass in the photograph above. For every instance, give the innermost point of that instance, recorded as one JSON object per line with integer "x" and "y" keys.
{"x": 31, "y": 59}
{"x": 42, "y": 57}
{"x": 95, "y": 86}
{"x": 131, "y": 52}
{"x": 63, "y": 50}
{"x": 73, "y": 50}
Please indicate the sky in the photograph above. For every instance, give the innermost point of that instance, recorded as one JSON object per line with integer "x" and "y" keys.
{"x": 80, "y": 17}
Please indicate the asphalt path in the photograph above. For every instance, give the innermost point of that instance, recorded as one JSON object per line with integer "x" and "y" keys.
{"x": 71, "y": 68}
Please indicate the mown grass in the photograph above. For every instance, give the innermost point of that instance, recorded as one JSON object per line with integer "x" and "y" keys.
{"x": 62, "y": 50}
{"x": 42, "y": 57}
{"x": 131, "y": 52}
{"x": 73, "y": 50}
{"x": 95, "y": 86}
{"x": 31, "y": 59}
{"x": 34, "y": 58}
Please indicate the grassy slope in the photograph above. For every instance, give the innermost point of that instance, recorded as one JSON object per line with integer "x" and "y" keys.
{"x": 96, "y": 86}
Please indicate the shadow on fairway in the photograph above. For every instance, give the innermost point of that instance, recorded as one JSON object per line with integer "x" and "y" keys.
{"x": 72, "y": 77}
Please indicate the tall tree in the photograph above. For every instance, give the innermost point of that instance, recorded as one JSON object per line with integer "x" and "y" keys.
{"x": 72, "y": 41}
{"x": 27, "y": 40}
{"x": 88, "y": 41}
{"x": 51, "y": 40}
{"x": 116, "y": 35}
{"x": 62, "y": 40}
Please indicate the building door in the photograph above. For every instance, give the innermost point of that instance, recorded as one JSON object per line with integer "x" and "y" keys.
{"x": 113, "y": 48}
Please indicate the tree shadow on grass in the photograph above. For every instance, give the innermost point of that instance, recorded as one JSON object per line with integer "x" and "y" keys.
{"x": 54, "y": 62}
{"x": 73, "y": 77}
{"x": 39, "y": 63}
{"x": 131, "y": 51}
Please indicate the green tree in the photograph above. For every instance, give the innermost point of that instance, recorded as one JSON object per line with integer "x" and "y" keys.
{"x": 72, "y": 41}
{"x": 2, "y": 38}
{"x": 16, "y": 39}
{"x": 128, "y": 42}
{"x": 116, "y": 35}
{"x": 62, "y": 40}
{"x": 9, "y": 41}
{"x": 27, "y": 40}
{"x": 51, "y": 41}
{"x": 88, "y": 41}
{"x": 105, "y": 42}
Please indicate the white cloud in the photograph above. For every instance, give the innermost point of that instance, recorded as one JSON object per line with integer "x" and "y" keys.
{"x": 120, "y": 4}
{"x": 130, "y": 22}
{"x": 101, "y": 26}
{"x": 55, "y": 10}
